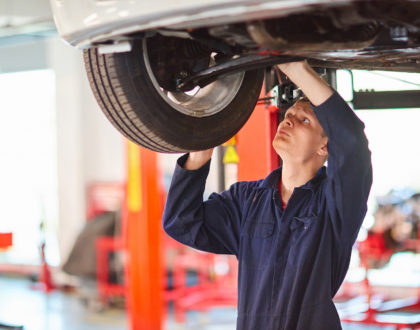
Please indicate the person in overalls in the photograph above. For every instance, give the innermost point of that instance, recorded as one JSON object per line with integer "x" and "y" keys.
{"x": 293, "y": 231}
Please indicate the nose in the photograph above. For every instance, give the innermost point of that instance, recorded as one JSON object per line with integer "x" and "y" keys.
{"x": 288, "y": 121}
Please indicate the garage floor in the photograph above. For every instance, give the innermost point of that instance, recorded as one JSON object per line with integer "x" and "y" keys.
{"x": 22, "y": 305}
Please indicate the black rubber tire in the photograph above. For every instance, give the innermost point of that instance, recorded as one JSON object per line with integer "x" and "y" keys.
{"x": 127, "y": 96}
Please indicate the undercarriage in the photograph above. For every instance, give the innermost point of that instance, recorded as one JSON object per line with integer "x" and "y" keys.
{"x": 381, "y": 35}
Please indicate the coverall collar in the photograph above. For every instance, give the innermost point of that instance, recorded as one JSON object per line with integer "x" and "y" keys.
{"x": 272, "y": 180}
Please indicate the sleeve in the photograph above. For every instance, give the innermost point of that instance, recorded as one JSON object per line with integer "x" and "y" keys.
{"x": 349, "y": 171}
{"x": 212, "y": 225}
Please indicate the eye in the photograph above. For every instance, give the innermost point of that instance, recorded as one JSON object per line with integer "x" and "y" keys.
{"x": 305, "y": 120}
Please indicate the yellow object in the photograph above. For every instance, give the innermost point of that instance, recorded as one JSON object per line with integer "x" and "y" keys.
{"x": 134, "y": 191}
{"x": 230, "y": 142}
{"x": 230, "y": 157}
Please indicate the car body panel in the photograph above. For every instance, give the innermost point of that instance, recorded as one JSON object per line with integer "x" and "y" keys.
{"x": 83, "y": 23}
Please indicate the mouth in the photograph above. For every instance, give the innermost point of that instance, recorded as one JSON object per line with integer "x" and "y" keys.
{"x": 283, "y": 132}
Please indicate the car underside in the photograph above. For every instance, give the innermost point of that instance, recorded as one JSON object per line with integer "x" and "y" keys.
{"x": 382, "y": 35}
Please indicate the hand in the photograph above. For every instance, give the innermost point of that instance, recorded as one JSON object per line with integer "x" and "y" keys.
{"x": 290, "y": 67}
{"x": 197, "y": 159}
{"x": 311, "y": 84}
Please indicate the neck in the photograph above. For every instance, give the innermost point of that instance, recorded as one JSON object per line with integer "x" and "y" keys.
{"x": 295, "y": 175}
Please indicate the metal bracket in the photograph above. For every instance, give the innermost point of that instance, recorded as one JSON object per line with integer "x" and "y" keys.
{"x": 124, "y": 46}
{"x": 247, "y": 62}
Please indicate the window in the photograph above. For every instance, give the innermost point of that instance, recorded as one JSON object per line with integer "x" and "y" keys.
{"x": 28, "y": 167}
{"x": 393, "y": 136}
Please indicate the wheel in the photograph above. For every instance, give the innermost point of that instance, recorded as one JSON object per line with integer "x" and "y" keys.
{"x": 163, "y": 119}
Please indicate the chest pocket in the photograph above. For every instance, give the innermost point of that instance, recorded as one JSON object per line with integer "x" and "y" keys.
{"x": 304, "y": 239}
{"x": 302, "y": 223}
{"x": 257, "y": 244}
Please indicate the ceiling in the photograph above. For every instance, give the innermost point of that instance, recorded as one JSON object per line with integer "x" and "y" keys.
{"x": 24, "y": 18}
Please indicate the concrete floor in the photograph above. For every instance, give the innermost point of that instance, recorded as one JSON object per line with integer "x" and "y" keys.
{"x": 20, "y": 304}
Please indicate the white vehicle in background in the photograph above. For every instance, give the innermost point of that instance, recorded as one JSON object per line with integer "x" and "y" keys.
{"x": 184, "y": 75}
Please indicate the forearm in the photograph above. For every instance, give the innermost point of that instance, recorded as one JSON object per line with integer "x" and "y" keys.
{"x": 311, "y": 84}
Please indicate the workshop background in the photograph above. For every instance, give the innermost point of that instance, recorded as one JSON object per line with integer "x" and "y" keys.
{"x": 65, "y": 173}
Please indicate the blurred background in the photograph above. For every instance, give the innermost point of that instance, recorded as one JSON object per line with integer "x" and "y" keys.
{"x": 63, "y": 183}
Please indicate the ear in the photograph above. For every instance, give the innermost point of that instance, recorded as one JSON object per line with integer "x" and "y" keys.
{"x": 323, "y": 150}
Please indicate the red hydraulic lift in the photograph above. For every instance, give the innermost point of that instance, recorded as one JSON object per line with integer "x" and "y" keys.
{"x": 257, "y": 157}
{"x": 142, "y": 240}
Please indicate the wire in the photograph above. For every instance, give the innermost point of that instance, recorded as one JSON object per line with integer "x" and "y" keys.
{"x": 278, "y": 74}
{"x": 398, "y": 79}
{"x": 265, "y": 99}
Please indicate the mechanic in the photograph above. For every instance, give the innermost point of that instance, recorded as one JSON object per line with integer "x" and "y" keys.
{"x": 293, "y": 231}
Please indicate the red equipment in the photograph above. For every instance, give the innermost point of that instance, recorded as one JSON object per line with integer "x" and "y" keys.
{"x": 106, "y": 289}
{"x": 375, "y": 252}
{"x": 213, "y": 289}
{"x": 45, "y": 276}
{"x": 6, "y": 240}
{"x": 105, "y": 197}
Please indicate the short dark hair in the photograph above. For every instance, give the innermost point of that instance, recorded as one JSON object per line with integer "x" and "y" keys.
{"x": 303, "y": 99}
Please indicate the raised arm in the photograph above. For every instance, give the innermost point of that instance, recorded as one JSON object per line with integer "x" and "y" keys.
{"x": 349, "y": 172}
{"x": 212, "y": 225}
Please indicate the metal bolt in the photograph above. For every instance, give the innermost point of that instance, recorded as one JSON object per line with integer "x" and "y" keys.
{"x": 399, "y": 33}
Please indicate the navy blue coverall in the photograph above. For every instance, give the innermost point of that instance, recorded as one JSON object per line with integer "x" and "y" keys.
{"x": 291, "y": 262}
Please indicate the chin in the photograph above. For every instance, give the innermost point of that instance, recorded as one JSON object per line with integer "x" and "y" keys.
{"x": 280, "y": 146}
{"x": 279, "y": 151}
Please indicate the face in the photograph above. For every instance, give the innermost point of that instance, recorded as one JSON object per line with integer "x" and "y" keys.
{"x": 300, "y": 137}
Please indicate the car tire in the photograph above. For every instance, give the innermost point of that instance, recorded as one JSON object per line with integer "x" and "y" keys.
{"x": 131, "y": 99}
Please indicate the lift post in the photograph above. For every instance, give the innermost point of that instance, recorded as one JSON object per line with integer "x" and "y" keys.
{"x": 142, "y": 240}
{"x": 257, "y": 157}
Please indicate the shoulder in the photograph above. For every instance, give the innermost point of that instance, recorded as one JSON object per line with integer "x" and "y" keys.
{"x": 241, "y": 191}
{"x": 246, "y": 187}
{"x": 250, "y": 188}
